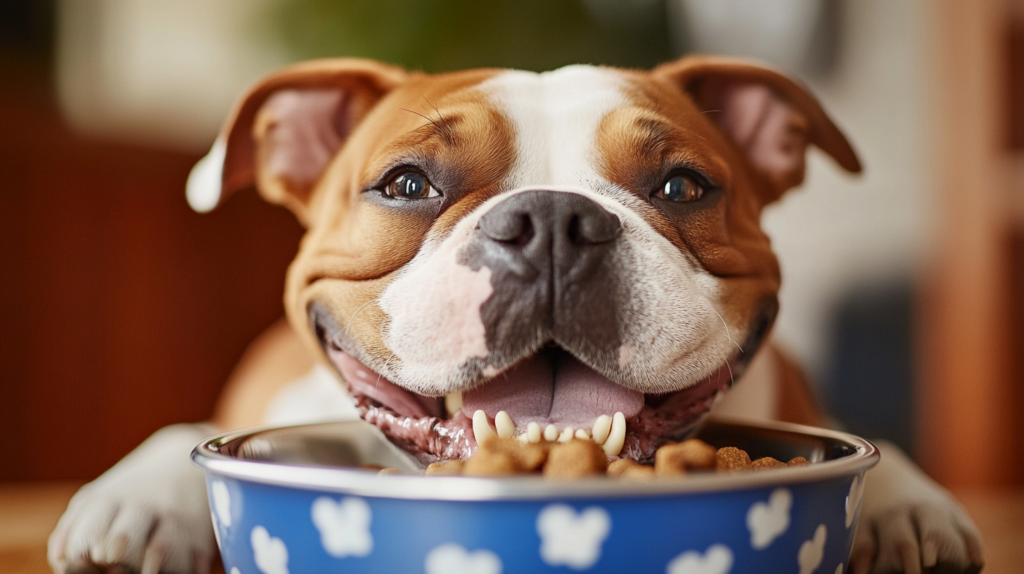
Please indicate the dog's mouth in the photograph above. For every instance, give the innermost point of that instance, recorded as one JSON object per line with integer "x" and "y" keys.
{"x": 550, "y": 395}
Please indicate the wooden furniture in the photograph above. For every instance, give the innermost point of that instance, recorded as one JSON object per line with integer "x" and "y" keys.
{"x": 971, "y": 404}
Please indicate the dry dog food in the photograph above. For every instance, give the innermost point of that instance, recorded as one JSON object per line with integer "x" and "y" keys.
{"x": 582, "y": 458}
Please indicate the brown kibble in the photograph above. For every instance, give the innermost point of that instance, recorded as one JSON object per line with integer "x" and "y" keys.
{"x": 575, "y": 459}
{"x": 675, "y": 459}
{"x": 766, "y": 462}
{"x": 798, "y": 461}
{"x": 629, "y": 469}
{"x": 528, "y": 456}
{"x": 730, "y": 459}
{"x": 486, "y": 462}
{"x": 389, "y": 470}
{"x": 371, "y": 466}
{"x": 445, "y": 468}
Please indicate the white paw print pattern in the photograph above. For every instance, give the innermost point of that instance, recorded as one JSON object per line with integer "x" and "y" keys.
{"x": 235, "y": 571}
{"x": 454, "y": 559}
{"x": 269, "y": 553}
{"x": 221, "y": 502}
{"x": 344, "y": 526}
{"x": 853, "y": 499}
{"x": 717, "y": 559}
{"x": 571, "y": 539}
{"x": 812, "y": 551}
{"x": 769, "y": 520}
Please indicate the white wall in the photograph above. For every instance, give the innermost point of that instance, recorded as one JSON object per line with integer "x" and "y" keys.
{"x": 838, "y": 233}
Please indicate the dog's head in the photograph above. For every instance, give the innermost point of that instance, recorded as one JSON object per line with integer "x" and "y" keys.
{"x": 544, "y": 251}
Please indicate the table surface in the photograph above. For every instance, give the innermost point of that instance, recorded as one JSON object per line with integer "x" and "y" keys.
{"x": 28, "y": 512}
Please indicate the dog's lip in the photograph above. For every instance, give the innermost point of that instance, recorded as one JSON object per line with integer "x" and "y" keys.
{"x": 422, "y": 425}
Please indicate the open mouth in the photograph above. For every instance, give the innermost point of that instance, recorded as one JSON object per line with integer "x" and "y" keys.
{"x": 550, "y": 395}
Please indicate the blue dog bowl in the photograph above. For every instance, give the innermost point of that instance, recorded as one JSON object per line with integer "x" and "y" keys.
{"x": 287, "y": 500}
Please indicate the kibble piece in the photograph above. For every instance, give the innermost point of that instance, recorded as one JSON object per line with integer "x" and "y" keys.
{"x": 731, "y": 458}
{"x": 798, "y": 461}
{"x": 389, "y": 470}
{"x": 675, "y": 459}
{"x": 766, "y": 462}
{"x": 486, "y": 462}
{"x": 445, "y": 468}
{"x": 528, "y": 457}
{"x": 575, "y": 459}
{"x": 629, "y": 469}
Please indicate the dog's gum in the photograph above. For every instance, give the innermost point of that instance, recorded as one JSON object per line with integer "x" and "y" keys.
{"x": 730, "y": 459}
{"x": 678, "y": 458}
{"x": 575, "y": 459}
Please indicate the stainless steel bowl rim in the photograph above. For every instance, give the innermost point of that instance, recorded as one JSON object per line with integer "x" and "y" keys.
{"x": 358, "y": 482}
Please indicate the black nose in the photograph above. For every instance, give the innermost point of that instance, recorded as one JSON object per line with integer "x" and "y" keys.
{"x": 538, "y": 225}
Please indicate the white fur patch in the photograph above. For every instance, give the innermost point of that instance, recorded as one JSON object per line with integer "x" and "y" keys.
{"x": 203, "y": 187}
{"x": 318, "y": 396}
{"x": 556, "y": 116}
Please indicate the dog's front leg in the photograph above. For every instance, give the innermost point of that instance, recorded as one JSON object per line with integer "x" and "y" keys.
{"x": 149, "y": 513}
{"x": 910, "y": 524}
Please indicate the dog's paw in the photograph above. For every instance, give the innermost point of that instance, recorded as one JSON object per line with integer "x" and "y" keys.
{"x": 910, "y": 525}
{"x": 148, "y": 514}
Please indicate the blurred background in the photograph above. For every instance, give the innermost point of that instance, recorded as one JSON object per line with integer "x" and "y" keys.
{"x": 122, "y": 311}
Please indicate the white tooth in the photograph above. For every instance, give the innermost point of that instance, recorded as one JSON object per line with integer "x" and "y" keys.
{"x": 582, "y": 434}
{"x": 482, "y": 429}
{"x": 551, "y": 433}
{"x": 453, "y": 402}
{"x": 617, "y": 436}
{"x": 533, "y": 432}
{"x": 523, "y": 438}
{"x": 503, "y": 422}
{"x": 566, "y": 435}
{"x": 602, "y": 425}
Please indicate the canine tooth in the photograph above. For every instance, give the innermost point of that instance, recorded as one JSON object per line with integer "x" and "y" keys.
{"x": 453, "y": 402}
{"x": 582, "y": 434}
{"x": 617, "y": 435}
{"x": 482, "y": 429}
{"x": 551, "y": 433}
{"x": 602, "y": 426}
{"x": 566, "y": 435}
{"x": 503, "y": 422}
{"x": 533, "y": 432}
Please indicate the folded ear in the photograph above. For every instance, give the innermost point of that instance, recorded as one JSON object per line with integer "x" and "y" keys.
{"x": 287, "y": 128}
{"x": 769, "y": 117}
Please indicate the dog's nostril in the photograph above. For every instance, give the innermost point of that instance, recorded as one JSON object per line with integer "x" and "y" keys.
{"x": 514, "y": 228}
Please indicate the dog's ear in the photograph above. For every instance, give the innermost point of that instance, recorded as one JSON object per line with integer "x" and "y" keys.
{"x": 769, "y": 117}
{"x": 285, "y": 131}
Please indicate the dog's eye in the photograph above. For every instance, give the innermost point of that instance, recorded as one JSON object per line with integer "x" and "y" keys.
{"x": 410, "y": 185}
{"x": 680, "y": 188}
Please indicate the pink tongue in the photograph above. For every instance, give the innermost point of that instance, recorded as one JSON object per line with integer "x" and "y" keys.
{"x": 532, "y": 392}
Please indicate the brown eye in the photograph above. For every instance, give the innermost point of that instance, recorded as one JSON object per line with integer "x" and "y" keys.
{"x": 410, "y": 185}
{"x": 680, "y": 188}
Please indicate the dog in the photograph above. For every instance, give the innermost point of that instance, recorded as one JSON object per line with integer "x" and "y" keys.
{"x": 561, "y": 250}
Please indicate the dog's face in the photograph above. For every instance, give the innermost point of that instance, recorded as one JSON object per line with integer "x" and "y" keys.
{"x": 578, "y": 249}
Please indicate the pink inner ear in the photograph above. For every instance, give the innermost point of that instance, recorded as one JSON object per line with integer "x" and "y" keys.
{"x": 303, "y": 134}
{"x": 771, "y": 132}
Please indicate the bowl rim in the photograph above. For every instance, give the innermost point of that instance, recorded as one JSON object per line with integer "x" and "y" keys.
{"x": 359, "y": 482}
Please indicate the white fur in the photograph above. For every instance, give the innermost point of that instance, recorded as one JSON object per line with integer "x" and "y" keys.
{"x": 157, "y": 491}
{"x": 203, "y": 188}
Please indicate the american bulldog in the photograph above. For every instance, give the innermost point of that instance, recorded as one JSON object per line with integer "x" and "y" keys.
{"x": 572, "y": 253}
